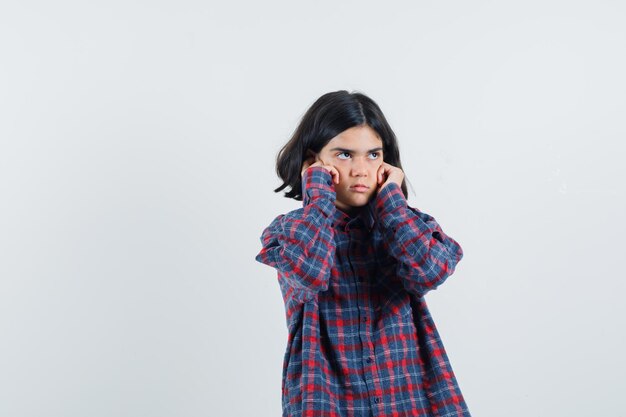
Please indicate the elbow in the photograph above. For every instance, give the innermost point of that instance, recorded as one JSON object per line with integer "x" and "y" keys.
{"x": 428, "y": 276}
{"x": 309, "y": 274}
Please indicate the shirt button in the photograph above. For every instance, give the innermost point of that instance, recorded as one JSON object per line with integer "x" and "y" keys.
{"x": 329, "y": 182}
{"x": 365, "y": 318}
{"x": 369, "y": 360}
{"x": 376, "y": 400}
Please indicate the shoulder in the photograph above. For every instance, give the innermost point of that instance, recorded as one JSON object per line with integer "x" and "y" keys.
{"x": 290, "y": 215}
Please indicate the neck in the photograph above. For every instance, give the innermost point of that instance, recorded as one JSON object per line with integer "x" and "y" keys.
{"x": 352, "y": 211}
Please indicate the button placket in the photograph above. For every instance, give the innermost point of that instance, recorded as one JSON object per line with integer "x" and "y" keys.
{"x": 369, "y": 369}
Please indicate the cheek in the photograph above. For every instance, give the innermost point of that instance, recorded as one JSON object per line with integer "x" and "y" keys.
{"x": 343, "y": 174}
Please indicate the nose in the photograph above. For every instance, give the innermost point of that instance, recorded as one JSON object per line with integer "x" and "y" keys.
{"x": 359, "y": 167}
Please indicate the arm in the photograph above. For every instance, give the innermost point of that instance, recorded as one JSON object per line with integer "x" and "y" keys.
{"x": 300, "y": 244}
{"x": 425, "y": 255}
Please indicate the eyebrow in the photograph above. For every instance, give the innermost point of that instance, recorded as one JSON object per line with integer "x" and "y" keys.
{"x": 353, "y": 151}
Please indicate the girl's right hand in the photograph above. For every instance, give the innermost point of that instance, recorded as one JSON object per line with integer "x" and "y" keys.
{"x": 316, "y": 162}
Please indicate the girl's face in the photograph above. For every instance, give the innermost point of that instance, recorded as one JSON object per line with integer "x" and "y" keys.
{"x": 356, "y": 153}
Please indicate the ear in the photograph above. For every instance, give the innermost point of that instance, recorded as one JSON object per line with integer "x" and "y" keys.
{"x": 312, "y": 155}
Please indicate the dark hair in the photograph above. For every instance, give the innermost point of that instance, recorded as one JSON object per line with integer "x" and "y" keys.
{"x": 330, "y": 115}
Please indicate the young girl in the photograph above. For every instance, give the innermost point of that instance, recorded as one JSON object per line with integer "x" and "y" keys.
{"x": 354, "y": 264}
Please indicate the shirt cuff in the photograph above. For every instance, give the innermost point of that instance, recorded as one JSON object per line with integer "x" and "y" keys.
{"x": 389, "y": 200}
{"x": 317, "y": 186}
{"x": 393, "y": 212}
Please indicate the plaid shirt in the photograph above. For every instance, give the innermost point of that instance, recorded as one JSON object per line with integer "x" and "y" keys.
{"x": 361, "y": 339}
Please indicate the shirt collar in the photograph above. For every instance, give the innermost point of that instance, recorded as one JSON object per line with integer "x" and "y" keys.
{"x": 365, "y": 216}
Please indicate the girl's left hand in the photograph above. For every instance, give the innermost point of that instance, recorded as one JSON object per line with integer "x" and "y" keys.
{"x": 386, "y": 174}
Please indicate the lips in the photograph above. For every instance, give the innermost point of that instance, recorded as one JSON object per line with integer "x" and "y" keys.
{"x": 360, "y": 187}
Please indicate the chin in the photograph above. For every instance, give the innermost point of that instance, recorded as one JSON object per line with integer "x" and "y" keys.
{"x": 360, "y": 203}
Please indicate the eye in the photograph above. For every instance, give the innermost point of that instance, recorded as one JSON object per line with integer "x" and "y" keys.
{"x": 343, "y": 153}
{"x": 375, "y": 153}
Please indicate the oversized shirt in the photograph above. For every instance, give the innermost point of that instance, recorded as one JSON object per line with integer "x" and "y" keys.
{"x": 361, "y": 340}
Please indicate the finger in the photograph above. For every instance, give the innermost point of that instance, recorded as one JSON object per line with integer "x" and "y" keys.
{"x": 330, "y": 171}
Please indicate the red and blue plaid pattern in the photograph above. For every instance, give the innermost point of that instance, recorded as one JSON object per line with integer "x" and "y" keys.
{"x": 361, "y": 339}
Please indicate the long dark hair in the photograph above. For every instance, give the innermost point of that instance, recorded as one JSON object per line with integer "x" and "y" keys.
{"x": 330, "y": 115}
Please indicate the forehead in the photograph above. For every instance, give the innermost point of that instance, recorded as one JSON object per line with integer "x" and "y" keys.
{"x": 358, "y": 138}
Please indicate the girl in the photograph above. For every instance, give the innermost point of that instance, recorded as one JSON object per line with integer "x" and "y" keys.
{"x": 354, "y": 263}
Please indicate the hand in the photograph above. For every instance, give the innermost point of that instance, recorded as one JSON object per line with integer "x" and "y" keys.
{"x": 386, "y": 174}
{"x": 315, "y": 161}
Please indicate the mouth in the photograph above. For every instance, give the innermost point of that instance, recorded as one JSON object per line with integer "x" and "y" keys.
{"x": 359, "y": 188}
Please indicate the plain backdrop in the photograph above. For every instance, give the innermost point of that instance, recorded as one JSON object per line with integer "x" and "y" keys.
{"x": 137, "y": 166}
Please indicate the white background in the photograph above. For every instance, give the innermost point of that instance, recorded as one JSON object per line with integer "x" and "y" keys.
{"x": 137, "y": 151}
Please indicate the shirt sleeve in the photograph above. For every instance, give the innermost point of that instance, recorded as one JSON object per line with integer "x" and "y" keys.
{"x": 300, "y": 244}
{"x": 425, "y": 255}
